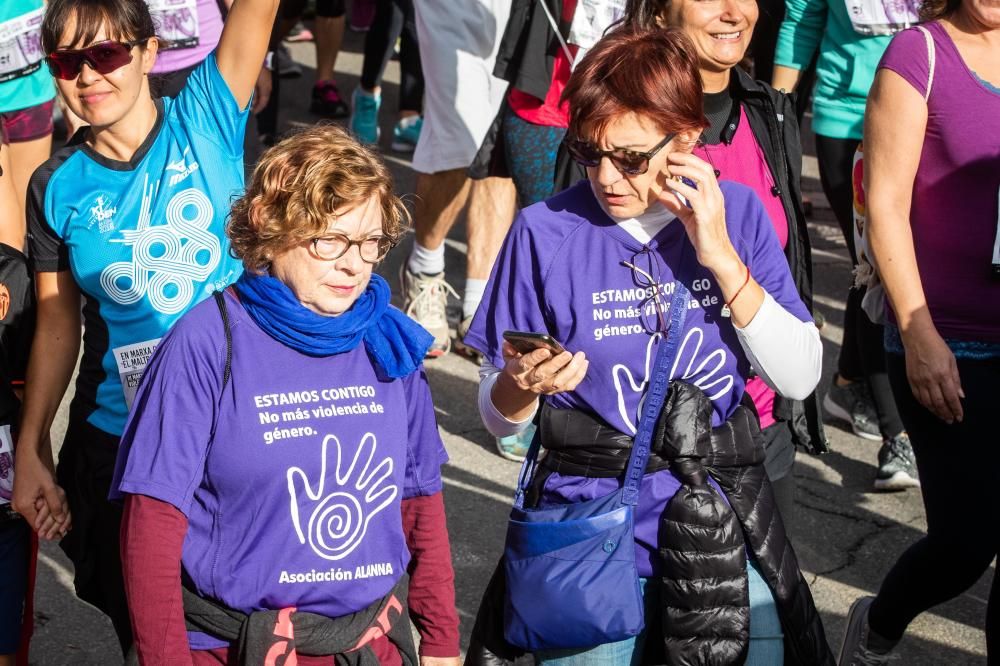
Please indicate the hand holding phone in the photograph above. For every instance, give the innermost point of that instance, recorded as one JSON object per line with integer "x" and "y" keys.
{"x": 525, "y": 343}
{"x": 527, "y": 374}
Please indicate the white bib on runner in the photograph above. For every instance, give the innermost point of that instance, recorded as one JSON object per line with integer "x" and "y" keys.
{"x": 176, "y": 22}
{"x": 882, "y": 17}
{"x": 591, "y": 19}
{"x": 132, "y": 361}
{"x": 21, "y": 45}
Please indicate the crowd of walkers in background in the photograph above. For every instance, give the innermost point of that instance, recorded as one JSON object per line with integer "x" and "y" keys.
{"x": 638, "y": 297}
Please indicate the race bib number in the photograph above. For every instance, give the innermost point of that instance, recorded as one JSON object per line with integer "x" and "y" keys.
{"x": 6, "y": 465}
{"x": 176, "y": 22}
{"x": 591, "y": 19}
{"x": 21, "y": 45}
{"x": 132, "y": 361}
{"x": 882, "y": 17}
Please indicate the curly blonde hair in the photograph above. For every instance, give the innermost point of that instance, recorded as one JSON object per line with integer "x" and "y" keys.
{"x": 298, "y": 186}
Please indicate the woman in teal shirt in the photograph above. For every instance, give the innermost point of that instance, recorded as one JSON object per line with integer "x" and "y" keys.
{"x": 851, "y": 36}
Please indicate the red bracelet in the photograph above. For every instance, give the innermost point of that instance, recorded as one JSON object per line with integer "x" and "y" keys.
{"x": 732, "y": 300}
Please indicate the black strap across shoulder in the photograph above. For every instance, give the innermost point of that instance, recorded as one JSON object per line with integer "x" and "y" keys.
{"x": 220, "y": 300}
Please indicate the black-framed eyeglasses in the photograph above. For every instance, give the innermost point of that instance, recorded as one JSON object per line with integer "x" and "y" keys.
{"x": 652, "y": 307}
{"x": 629, "y": 162}
{"x": 372, "y": 249}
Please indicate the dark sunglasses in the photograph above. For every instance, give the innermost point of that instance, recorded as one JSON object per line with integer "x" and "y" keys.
{"x": 629, "y": 162}
{"x": 104, "y": 58}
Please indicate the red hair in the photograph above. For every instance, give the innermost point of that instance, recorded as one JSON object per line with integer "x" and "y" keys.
{"x": 651, "y": 73}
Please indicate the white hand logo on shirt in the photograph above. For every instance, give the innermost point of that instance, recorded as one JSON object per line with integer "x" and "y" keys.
{"x": 710, "y": 378}
{"x": 338, "y": 521}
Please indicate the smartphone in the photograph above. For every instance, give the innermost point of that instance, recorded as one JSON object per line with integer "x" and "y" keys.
{"x": 690, "y": 183}
{"x": 525, "y": 342}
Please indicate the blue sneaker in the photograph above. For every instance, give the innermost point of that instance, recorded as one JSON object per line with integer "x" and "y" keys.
{"x": 406, "y": 133}
{"x": 364, "y": 116}
{"x": 515, "y": 447}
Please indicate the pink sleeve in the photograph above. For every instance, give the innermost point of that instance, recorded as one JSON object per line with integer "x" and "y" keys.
{"x": 152, "y": 536}
{"x": 907, "y": 56}
{"x": 432, "y": 579}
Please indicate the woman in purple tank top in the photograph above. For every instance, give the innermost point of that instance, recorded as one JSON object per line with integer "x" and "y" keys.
{"x": 932, "y": 177}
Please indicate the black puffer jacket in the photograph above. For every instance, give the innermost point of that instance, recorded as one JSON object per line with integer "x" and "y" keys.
{"x": 705, "y": 615}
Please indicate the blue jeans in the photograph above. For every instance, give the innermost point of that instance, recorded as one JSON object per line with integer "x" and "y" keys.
{"x": 766, "y": 639}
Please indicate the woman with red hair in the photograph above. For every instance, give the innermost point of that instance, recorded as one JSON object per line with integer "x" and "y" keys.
{"x": 651, "y": 258}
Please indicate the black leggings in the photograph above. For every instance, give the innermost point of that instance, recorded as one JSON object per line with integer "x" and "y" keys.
{"x": 394, "y": 19}
{"x": 959, "y": 467}
{"x": 861, "y": 354}
{"x": 86, "y": 467}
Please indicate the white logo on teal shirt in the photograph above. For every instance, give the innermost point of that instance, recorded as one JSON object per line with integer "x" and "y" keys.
{"x": 337, "y": 522}
{"x": 102, "y": 213}
{"x": 167, "y": 259}
{"x": 181, "y": 168}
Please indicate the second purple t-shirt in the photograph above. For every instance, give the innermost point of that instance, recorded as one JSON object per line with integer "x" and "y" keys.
{"x": 561, "y": 272}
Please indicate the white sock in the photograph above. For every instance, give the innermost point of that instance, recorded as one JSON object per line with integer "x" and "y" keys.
{"x": 474, "y": 290}
{"x": 425, "y": 261}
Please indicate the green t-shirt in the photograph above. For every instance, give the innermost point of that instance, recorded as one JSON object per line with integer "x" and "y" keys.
{"x": 845, "y": 68}
{"x": 25, "y": 81}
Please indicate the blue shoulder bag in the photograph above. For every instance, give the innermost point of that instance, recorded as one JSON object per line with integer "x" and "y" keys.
{"x": 571, "y": 575}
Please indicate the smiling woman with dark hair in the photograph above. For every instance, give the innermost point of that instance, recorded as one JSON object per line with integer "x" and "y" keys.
{"x": 652, "y": 271}
{"x": 129, "y": 218}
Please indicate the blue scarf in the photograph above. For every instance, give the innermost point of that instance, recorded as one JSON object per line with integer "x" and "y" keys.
{"x": 395, "y": 343}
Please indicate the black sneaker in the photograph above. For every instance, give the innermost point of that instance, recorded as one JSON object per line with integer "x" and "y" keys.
{"x": 897, "y": 468}
{"x": 326, "y": 101}
{"x": 853, "y": 404}
{"x": 854, "y": 650}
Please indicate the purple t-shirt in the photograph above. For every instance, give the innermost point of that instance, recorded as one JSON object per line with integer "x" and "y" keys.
{"x": 190, "y": 28}
{"x": 296, "y": 503}
{"x": 955, "y": 214}
{"x": 560, "y": 272}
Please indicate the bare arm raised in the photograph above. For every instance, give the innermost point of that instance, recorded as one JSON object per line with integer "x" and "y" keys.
{"x": 243, "y": 45}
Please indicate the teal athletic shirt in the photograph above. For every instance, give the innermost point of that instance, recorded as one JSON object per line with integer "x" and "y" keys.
{"x": 145, "y": 239}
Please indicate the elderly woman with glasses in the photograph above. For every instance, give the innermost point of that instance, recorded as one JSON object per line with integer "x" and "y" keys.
{"x": 281, "y": 466}
{"x": 606, "y": 268}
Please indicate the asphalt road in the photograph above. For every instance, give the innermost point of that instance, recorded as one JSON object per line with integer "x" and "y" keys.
{"x": 846, "y": 535}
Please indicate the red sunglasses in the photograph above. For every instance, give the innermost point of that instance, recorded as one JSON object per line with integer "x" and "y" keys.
{"x": 104, "y": 58}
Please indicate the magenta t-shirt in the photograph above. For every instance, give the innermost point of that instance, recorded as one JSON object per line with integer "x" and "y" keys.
{"x": 190, "y": 30}
{"x": 743, "y": 161}
{"x": 956, "y": 194}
